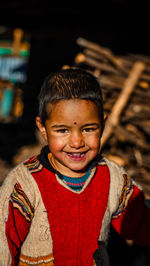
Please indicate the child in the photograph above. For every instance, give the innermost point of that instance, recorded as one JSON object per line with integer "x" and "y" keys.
{"x": 56, "y": 208}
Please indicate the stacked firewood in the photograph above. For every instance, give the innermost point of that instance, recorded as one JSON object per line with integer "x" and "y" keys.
{"x": 125, "y": 82}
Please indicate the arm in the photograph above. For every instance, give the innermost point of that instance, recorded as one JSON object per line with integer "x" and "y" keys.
{"x": 15, "y": 224}
{"x": 132, "y": 218}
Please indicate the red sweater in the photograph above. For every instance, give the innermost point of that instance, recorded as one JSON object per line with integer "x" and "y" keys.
{"x": 76, "y": 219}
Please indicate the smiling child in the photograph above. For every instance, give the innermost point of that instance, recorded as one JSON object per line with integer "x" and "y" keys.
{"x": 73, "y": 139}
{"x": 56, "y": 208}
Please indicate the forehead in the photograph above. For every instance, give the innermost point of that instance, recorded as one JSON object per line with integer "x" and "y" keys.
{"x": 75, "y": 110}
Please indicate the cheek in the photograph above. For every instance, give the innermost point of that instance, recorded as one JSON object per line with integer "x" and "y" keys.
{"x": 94, "y": 141}
{"x": 55, "y": 143}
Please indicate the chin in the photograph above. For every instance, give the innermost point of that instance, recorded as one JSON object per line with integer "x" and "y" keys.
{"x": 79, "y": 169}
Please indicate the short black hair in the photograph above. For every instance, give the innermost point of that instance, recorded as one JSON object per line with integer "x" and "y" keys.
{"x": 70, "y": 83}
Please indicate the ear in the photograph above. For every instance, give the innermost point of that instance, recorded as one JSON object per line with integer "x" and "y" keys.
{"x": 105, "y": 118}
{"x": 41, "y": 127}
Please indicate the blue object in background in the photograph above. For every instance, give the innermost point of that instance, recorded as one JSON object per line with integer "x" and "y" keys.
{"x": 6, "y": 103}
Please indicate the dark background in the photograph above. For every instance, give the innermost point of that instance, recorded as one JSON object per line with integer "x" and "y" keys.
{"x": 122, "y": 26}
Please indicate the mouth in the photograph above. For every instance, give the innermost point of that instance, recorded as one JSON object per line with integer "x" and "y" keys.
{"x": 76, "y": 156}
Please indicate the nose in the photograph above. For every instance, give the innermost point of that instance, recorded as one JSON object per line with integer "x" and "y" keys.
{"x": 76, "y": 140}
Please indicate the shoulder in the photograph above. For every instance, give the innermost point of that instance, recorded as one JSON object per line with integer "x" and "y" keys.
{"x": 121, "y": 185}
{"x": 116, "y": 171}
{"x": 14, "y": 175}
{"x": 33, "y": 164}
{"x": 118, "y": 177}
{"x": 21, "y": 175}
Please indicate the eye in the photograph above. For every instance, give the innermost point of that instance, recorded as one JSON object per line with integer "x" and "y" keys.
{"x": 62, "y": 130}
{"x": 89, "y": 129}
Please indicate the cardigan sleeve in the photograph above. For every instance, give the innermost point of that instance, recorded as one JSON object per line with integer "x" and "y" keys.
{"x": 132, "y": 218}
{"x": 15, "y": 225}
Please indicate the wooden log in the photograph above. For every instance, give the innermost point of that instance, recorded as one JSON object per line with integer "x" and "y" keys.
{"x": 94, "y": 52}
{"x": 81, "y": 58}
{"x": 95, "y": 55}
{"x": 105, "y": 51}
{"x": 134, "y": 130}
{"x": 122, "y": 100}
{"x": 128, "y": 137}
{"x": 124, "y": 64}
{"x": 141, "y": 57}
{"x": 111, "y": 82}
{"x": 109, "y": 78}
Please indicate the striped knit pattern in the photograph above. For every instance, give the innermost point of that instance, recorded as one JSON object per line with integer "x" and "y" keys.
{"x": 76, "y": 183}
{"x": 33, "y": 165}
{"x": 102, "y": 162}
{"x": 42, "y": 260}
{"x": 126, "y": 194}
{"x": 21, "y": 203}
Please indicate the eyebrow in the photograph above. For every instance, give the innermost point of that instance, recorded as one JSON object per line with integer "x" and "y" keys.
{"x": 59, "y": 126}
{"x": 91, "y": 124}
{"x": 85, "y": 125}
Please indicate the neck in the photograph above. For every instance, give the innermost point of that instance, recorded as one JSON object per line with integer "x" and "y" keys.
{"x": 73, "y": 174}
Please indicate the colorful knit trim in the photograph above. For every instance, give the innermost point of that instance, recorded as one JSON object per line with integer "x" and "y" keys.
{"x": 126, "y": 194}
{"x": 76, "y": 183}
{"x": 42, "y": 260}
{"x": 21, "y": 203}
{"x": 102, "y": 162}
{"x": 33, "y": 165}
{"x": 73, "y": 182}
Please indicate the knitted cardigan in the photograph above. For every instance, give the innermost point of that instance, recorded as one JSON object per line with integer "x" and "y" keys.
{"x": 44, "y": 222}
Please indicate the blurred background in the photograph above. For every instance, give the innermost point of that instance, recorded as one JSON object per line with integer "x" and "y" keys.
{"x": 52, "y": 31}
{"x": 46, "y": 41}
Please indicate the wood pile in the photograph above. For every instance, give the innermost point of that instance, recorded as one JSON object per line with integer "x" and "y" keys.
{"x": 125, "y": 82}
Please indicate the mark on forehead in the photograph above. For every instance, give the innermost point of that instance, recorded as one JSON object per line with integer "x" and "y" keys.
{"x": 75, "y": 123}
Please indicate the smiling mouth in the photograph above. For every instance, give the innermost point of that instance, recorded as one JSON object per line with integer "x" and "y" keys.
{"x": 76, "y": 155}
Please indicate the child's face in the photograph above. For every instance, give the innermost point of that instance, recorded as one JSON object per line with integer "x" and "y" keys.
{"x": 73, "y": 132}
